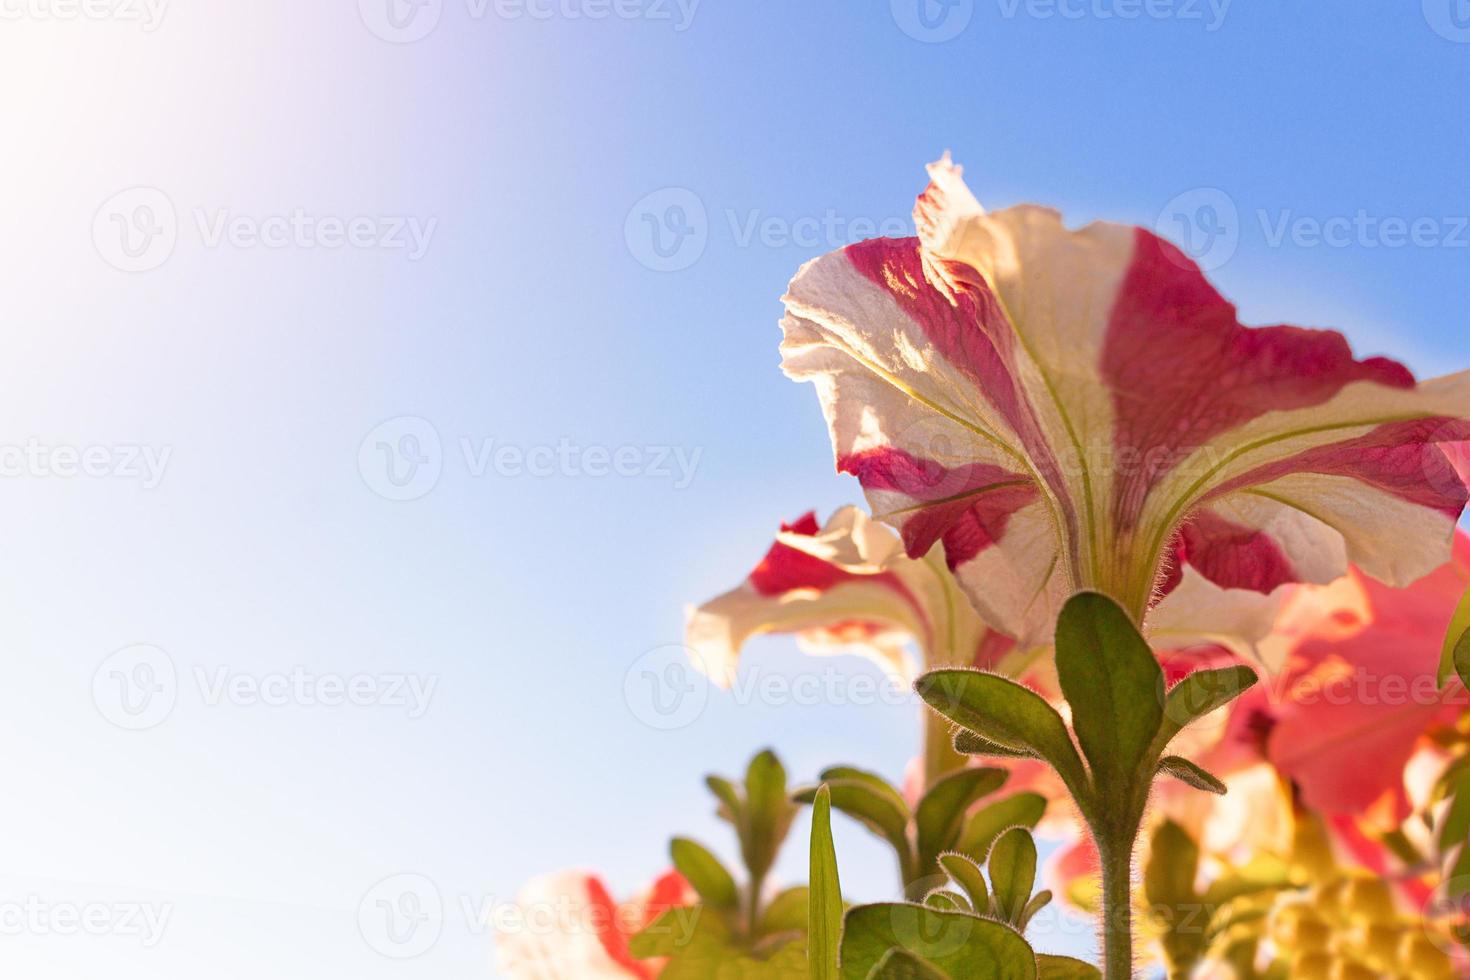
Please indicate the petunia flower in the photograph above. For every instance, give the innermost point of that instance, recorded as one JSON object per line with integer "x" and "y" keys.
{"x": 566, "y": 926}
{"x": 1358, "y": 697}
{"x": 846, "y": 587}
{"x": 1345, "y": 731}
{"x": 1069, "y": 410}
{"x": 849, "y": 587}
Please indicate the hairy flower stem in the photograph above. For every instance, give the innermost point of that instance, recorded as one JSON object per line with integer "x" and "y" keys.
{"x": 940, "y": 758}
{"x": 1115, "y": 851}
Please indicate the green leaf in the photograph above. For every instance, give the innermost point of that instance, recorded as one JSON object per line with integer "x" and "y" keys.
{"x": 1462, "y": 659}
{"x": 768, "y": 812}
{"x": 1038, "y": 902}
{"x": 700, "y": 944}
{"x": 1003, "y": 712}
{"x": 1197, "y": 695}
{"x": 1173, "y": 864}
{"x": 943, "y": 898}
{"x": 1110, "y": 678}
{"x": 1168, "y": 886}
{"x": 899, "y": 964}
{"x": 872, "y": 780}
{"x": 1020, "y": 810}
{"x": 870, "y": 808}
{"x": 1065, "y": 968}
{"x": 964, "y": 946}
{"x": 787, "y": 912}
{"x": 967, "y": 742}
{"x": 1454, "y": 829}
{"x": 731, "y": 807}
{"x": 1012, "y": 866}
{"x": 941, "y": 811}
{"x": 1459, "y": 629}
{"x": 824, "y": 921}
{"x": 670, "y": 932}
{"x": 1189, "y": 773}
{"x": 966, "y": 873}
{"x": 705, "y": 873}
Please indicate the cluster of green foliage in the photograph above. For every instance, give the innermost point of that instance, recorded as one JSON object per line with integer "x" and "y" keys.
{"x": 967, "y": 874}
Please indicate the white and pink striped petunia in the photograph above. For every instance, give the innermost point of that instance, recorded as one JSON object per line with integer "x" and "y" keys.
{"x": 846, "y": 587}
{"x": 1070, "y": 410}
{"x": 566, "y": 926}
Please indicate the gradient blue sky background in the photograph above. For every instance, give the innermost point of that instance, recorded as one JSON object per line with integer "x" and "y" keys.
{"x": 541, "y": 148}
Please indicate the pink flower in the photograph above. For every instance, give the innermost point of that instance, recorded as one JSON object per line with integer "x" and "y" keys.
{"x": 566, "y": 926}
{"x": 1081, "y": 409}
{"x": 847, "y": 587}
{"x": 1358, "y": 694}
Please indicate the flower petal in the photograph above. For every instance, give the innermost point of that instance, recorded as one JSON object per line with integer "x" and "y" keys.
{"x": 845, "y": 588}
{"x": 1005, "y": 374}
{"x": 570, "y": 928}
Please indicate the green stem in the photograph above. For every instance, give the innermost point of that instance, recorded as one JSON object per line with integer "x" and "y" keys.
{"x": 1115, "y": 850}
{"x": 753, "y": 906}
{"x": 940, "y": 758}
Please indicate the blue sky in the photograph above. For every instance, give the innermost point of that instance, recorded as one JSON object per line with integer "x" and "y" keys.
{"x": 504, "y": 174}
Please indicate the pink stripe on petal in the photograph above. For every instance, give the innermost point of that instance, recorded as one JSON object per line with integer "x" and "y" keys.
{"x": 1401, "y": 458}
{"x": 1233, "y": 556}
{"x": 960, "y": 316}
{"x": 1183, "y": 369}
{"x": 967, "y": 506}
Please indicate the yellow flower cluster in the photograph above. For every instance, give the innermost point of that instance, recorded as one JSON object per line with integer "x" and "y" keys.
{"x": 1350, "y": 930}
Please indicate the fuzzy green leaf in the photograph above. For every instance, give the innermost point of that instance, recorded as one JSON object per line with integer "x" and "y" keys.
{"x": 1065, "y": 968}
{"x": 1038, "y": 902}
{"x": 967, "y": 742}
{"x": 944, "y": 898}
{"x": 1110, "y": 678}
{"x": 1189, "y": 773}
{"x": 966, "y": 873}
{"x": 900, "y": 964}
{"x": 1012, "y": 866}
{"x": 1459, "y": 629}
{"x": 1197, "y": 695}
{"x": 872, "y": 780}
{"x": 1020, "y": 810}
{"x": 941, "y": 811}
{"x": 869, "y": 808}
{"x": 964, "y": 946}
{"x": 1004, "y": 712}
